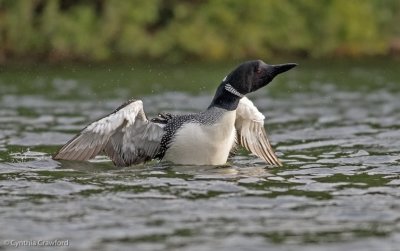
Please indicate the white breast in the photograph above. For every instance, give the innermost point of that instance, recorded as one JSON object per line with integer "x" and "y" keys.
{"x": 196, "y": 144}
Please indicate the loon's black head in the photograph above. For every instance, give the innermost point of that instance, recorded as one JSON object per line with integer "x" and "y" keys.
{"x": 252, "y": 75}
{"x": 247, "y": 77}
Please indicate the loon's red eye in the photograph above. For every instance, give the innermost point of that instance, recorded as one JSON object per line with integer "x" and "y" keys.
{"x": 258, "y": 70}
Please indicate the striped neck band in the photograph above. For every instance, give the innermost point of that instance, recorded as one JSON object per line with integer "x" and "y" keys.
{"x": 232, "y": 90}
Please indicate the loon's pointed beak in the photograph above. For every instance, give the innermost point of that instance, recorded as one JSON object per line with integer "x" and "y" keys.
{"x": 280, "y": 68}
{"x": 270, "y": 72}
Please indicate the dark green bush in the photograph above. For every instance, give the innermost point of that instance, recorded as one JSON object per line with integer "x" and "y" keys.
{"x": 173, "y": 30}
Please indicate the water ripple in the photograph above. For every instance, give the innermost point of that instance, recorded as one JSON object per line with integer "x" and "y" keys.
{"x": 338, "y": 188}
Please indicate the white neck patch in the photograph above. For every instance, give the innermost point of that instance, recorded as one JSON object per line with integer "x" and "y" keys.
{"x": 232, "y": 90}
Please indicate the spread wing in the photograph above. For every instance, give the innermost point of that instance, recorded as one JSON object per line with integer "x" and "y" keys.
{"x": 126, "y": 136}
{"x": 249, "y": 125}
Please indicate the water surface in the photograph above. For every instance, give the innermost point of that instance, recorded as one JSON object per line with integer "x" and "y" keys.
{"x": 336, "y": 127}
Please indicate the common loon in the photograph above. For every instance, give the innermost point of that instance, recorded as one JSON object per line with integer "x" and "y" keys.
{"x": 204, "y": 138}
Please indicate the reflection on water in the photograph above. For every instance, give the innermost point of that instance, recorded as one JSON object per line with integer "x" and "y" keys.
{"x": 338, "y": 190}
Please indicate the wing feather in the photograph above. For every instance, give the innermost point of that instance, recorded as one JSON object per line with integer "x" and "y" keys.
{"x": 251, "y": 133}
{"x": 125, "y": 135}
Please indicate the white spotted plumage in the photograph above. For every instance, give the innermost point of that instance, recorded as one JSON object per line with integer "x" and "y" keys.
{"x": 203, "y": 144}
{"x": 206, "y": 138}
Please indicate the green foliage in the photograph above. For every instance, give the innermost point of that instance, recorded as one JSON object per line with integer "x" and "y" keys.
{"x": 175, "y": 30}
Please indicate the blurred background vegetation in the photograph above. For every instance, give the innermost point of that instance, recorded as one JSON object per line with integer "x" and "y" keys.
{"x": 175, "y": 31}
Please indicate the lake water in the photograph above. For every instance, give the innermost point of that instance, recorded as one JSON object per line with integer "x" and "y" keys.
{"x": 335, "y": 125}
